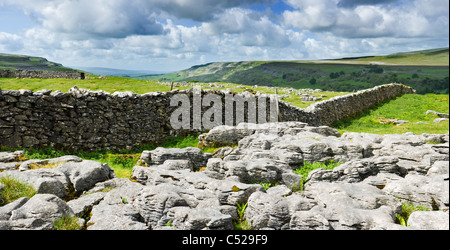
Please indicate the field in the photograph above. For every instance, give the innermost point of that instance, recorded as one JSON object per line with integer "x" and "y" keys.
{"x": 411, "y": 108}
{"x": 109, "y": 84}
{"x": 427, "y": 57}
{"x": 121, "y": 84}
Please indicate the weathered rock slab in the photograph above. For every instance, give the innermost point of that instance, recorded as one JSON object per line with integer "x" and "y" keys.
{"x": 171, "y": 189}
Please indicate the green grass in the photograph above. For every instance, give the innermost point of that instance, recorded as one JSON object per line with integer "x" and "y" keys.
{"x": 8, "y": 61}
{"x": 121, "y": 162}
{"x": 308, "y": 167}
{"x": 429, "y": 57}
{"x": 241, "y": 223}
{"x": 14, "y": 190}
{"x": 109, "y": 84}
{"x": 336, "y": 75}
{"x": 407, "y": 210}
{"x": 180, "y": 142}
{"x": 122, "y": 84}
{"x": 67, "y": 223}
{"x": 297, "y": 101}
{"x": 411, "y": 108}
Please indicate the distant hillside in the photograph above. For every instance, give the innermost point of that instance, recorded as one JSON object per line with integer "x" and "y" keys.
{"x": 432, "y": 57}
{"x": 426, "y": 71}
{"x": 8, "y": 61}
{"x": 117, "y": 72}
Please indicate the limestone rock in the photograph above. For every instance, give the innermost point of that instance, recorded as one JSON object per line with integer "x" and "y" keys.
{"x": 199, "y": 219}
{"x": 10, "y": 156}
{"x": 67, "y": 179}
{"x": 84, "y": 175}
{"x": 170, "y": 189}
{"x": 306, "y": 220}
{"x": 160, "y": 155}
{"x": 116, "y": 210}
{"x": 353, "y": 206}
{"x": 44, "y": 181}
{"x": 431, "y": 192}
{"x": 37, "y": 213}
{"x": 429, "y": 220}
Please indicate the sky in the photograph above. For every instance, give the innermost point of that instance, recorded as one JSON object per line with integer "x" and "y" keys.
{"x": 171, "y": 35}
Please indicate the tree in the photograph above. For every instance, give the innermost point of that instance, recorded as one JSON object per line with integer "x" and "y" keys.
{"x": 334, "y": 75}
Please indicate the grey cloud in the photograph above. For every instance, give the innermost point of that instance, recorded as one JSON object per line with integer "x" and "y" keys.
{"x": 355, "y": 3}
{"x": 85, "y": 18}
{"x": 122, "y": 18}
{"x": 249, "y": 28}
{"x": 202, "y": 10}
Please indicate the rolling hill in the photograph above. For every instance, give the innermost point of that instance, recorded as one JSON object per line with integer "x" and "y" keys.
{"x": 8, "y": 61}
{"x": 427, "y": 71}
{"x": 431, "y": 57}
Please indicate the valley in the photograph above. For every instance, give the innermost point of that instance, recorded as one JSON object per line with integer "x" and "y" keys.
{"x": 426, "y": 71}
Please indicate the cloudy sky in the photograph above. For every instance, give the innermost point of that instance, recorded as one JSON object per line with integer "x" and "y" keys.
{"x": 170, "y": 35}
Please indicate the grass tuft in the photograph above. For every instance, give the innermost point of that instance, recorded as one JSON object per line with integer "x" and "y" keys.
{"x": 241, "y": 223}
{"x": 14, "y": 190}
{"x": 407, "y": 210}
{"x": 67, "y": 223}
{"x": 308, "y": 167}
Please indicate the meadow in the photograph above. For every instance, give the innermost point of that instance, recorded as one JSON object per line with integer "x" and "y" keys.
{"x": 121, "y": 84}
{"x": 411, "y": 108}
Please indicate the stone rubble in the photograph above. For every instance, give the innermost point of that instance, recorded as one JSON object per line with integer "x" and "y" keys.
{"x": 187, "y": 189}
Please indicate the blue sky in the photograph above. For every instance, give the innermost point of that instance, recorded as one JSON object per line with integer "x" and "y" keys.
{"x": 13, "y": 20}
{"x": 171, "y": 35}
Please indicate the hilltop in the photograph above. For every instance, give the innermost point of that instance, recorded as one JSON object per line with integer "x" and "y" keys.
{"x": 431, "y": 57}
{"x": 9, "y": 61}
{"x": 426, "y": 71}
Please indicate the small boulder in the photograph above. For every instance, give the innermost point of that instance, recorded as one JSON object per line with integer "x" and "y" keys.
{"x": 84, "y": 175}
{"x": 39, "y": 213}
{"x": 160, "y": 155}
{"x": 429, "y": 220}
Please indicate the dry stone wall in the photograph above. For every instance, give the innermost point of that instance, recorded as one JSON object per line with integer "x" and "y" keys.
{"x": 326, "y": 112}
{"x": 87, "y": 120}
{"x": 43, "y": 74}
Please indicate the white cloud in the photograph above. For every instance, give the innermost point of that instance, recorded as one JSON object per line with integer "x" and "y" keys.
{"x": 248, "y": 27}
{"x": 422, "y": 18}
{"x": 121, "y": 18}
{"x": 10, "y": 42}
{"x": 176, "y": 34}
